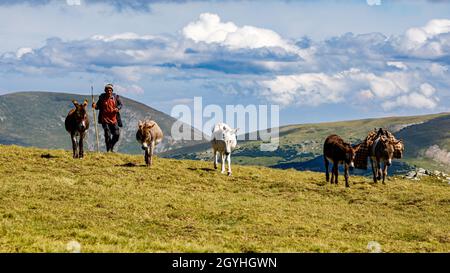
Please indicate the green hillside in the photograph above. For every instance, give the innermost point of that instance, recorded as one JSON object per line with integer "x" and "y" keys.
{"x": 434, "y": 135}
{"x": 301, "y": 145}
{"x": 37, "y": 119}
{"x": 112, "y": 203}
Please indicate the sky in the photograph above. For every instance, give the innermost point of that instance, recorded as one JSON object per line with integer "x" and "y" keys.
{"x": 318, "y": 60}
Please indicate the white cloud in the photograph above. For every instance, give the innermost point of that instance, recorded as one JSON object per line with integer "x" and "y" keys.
{"x": 209, "y": 29}
{"x": 73, "y": 2}
{"x": 135, "y": 73}
{"x": 438, "y": 70}
{"x": 129, "y": 73}
{"x": 373, "y": 2}
{"x": 122, "y": 36}
{"x": 131, "y": 89}
{"x": 387, "y": 85}
{"x": 437, "y": 26}
{"x": 366, "y": 95}
{"x": 427, "y": 89}
{"x": 389, "y": 89}
{"x": 429, "y": 41}
{"x": 370, "y": 69}
{"x": 412, "y": 100}
{"x": 399, "y": 65}
{"x": 308, "y": 88}
{"x": 22, "y": 51}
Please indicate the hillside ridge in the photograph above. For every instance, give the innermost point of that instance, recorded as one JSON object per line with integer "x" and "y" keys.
{"x": 41, "y": 117}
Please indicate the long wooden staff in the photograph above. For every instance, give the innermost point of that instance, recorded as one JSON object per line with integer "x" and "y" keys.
{"x": 95, "y": 120}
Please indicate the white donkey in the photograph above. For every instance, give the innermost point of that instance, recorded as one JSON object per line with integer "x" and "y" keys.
{"x": 224, "y": 141}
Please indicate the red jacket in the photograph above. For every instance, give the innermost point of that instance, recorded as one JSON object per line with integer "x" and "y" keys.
{"x": 105, "y": 106}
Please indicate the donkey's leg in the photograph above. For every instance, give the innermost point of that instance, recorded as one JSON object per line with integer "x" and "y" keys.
{"x": 327, "y": 173}
{"x": 332, "y": 174}
{"x": 346, "y": 175}
{"x": 378, "y": 169}
{"x": 229, "y": 164}
{"x": 215, "y": 158}
{"x": 146, "y": 156}
{"x": 149, "y": 158}
{"x": 152, "y": 148}
{"x": 336, "y": 174}
{"x": 74, "y": 145}
{"x": 81, "y": 148}
{"x": 385, "y": 167}
{"x": 222, "y": 155}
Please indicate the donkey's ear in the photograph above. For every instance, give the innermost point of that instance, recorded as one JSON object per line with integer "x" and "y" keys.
{"x": 85, "y": 103}
{"x": 140, "y": 123}
{"x": 396, "y": 142}
{"x": 356, "y": 147}
{"x": 235, "y": 130}
{"x": 75, "y": 102}
{"x": 150, "y": 126}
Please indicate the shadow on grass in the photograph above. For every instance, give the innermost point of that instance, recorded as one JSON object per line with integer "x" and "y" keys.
{"x": 131, "y": 165}
{"x": 321, "y": 183}
{"x": 201, "y": 169}
{"x": 48, "y": 156}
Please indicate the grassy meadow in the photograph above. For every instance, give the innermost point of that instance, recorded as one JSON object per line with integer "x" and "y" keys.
{"x": 113, "y": 203}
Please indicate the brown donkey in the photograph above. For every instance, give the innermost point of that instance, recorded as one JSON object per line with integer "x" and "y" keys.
{"x": 383, "y": 150}
{"x": 338, "y": 152}
{"x": 149, "y": 134}
{"x": 77, "y": 123}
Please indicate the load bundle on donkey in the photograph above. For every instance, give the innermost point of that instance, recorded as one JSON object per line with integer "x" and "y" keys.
{"x": 362, "y": 157}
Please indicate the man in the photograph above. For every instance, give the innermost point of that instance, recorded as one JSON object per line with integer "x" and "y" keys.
{"x": 109, "y": 105}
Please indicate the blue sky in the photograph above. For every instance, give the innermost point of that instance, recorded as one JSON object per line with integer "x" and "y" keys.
{"x": 319, "y": 60}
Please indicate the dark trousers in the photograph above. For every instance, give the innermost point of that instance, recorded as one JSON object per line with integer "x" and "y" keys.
{"x": 112, "y": 134}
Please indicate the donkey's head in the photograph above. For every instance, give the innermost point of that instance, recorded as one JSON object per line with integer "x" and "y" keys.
{"x": 144, "y": 134}
{"x": 350, "y": 154}
{"x": 386, "y": 150}
{"x": 80, "y": 115}
{"x": 399, "y": 148}
{"x": 230, "y": 138}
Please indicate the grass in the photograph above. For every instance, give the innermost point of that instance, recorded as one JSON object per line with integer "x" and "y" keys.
{"x": 112, "y": 203}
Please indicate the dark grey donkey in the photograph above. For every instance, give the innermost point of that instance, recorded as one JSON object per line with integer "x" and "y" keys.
{"x": 77, "y": 123}
{"x": 336, "y": 151}
{"x": 381, "y": 151}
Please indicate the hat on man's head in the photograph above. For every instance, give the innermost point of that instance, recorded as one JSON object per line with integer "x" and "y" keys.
{"x": 109, "y": 86}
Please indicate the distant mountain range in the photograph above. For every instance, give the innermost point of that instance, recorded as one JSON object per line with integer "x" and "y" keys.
{"x": 37, "y": 119}
{"x": 427, "y": 140}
